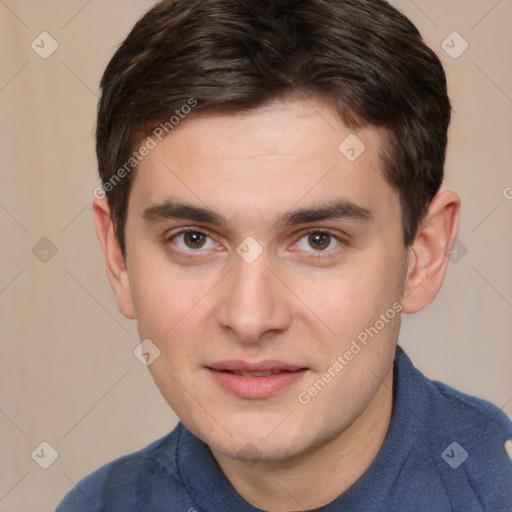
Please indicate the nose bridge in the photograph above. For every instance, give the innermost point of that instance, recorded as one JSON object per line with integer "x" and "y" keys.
{"x": 253, "y": 303}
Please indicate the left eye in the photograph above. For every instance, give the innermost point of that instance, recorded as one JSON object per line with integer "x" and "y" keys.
{"x": 318, "y": 241}
{"x": 193, "y": 241}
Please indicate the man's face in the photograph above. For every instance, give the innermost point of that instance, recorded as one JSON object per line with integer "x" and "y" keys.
{"x": 247, "y": 326}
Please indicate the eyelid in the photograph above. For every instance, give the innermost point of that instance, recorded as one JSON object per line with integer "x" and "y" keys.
{"x": 190, "y": 229}
{"x": 342, "y": 240}
{"x": 322, "y": 254}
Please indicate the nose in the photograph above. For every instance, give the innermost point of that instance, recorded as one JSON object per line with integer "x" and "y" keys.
{"x": 254, "y": 303}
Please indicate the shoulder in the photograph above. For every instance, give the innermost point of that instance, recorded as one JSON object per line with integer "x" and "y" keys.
{"x": 448, "y": 408}
{"x": 463, "y": 437}
{"x": 148, "y": 476}
{"x": 467, "y": 416}
{"x": 472, "y": 447}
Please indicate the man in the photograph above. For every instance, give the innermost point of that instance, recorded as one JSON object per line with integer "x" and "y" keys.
{"x": 270, "y": 207}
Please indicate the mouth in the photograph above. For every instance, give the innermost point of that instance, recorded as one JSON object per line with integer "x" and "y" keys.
{"x": 255, "y": 380}
{"x": 253, "y": 374}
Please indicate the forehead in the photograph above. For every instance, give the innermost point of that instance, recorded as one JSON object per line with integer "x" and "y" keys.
{"x": 284, "y": 154}
{"x": 290, "y": 129}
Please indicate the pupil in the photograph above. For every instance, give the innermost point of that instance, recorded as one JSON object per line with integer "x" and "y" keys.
{"x": 319, "y": 240}
{"x": 194, "y": 240}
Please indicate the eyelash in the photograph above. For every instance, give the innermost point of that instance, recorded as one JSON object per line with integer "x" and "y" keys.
{"x": 312, "y": 254}
{"x": 323, "y": 254}
{"x": 185, "y": 231}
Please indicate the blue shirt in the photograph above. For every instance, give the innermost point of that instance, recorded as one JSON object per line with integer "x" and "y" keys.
{"x": 443, "y": 452}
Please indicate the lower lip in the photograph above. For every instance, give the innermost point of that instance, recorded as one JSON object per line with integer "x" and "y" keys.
{"x": 256, "y": 387}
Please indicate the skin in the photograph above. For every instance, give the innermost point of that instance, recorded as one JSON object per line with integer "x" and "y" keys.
{"x": 297, "y": 302}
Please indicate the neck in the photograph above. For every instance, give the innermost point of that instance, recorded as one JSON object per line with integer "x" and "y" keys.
{"x": 330, "y": 469}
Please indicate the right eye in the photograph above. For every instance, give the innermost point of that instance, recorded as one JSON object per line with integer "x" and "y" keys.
{"x": 192, "y": 240}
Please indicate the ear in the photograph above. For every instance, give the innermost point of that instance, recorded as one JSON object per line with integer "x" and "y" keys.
{"x": 430, "y": 251}
{"x": 114, "y": 261}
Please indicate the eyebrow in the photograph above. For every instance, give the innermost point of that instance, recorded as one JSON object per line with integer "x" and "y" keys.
{"x": 340, "y": 209}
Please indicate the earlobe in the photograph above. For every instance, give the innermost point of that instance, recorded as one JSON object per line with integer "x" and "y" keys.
{"x": 428, "y": 255}
{"x": 114, "y": 261}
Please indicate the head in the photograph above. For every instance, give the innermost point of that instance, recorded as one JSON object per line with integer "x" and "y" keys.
{"x": 271, "y": 172}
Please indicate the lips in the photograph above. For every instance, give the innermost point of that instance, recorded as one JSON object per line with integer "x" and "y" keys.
{"x": 255, "y": 380}
{"x": 253, "y": 374}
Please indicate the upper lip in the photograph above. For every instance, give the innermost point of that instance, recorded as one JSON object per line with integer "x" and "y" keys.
{"x": 248, "y": 366}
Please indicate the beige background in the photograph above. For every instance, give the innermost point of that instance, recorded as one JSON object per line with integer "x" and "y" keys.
{"x": 68, "y": 375}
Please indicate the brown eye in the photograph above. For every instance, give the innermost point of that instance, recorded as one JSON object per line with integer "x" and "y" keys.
{"x": 319, "y": 241}
{"x": 194, "y": 239}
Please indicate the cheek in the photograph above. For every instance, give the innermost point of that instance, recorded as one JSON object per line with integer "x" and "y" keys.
{"x": 351, "y": 298}
{"x": 174, "y": 310}
{"x": 162, "y": 298}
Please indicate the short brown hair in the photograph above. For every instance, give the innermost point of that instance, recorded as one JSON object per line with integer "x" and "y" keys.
{"x": 364, "y": 56}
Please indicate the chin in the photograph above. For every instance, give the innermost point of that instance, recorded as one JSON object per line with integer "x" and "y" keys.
{"x": 257, "y": 437}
